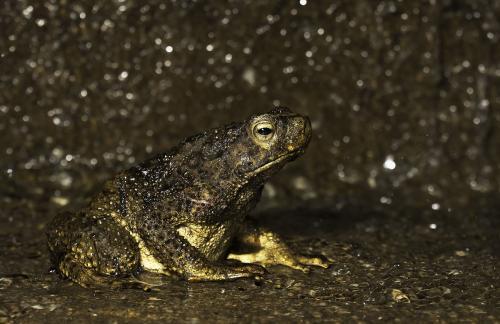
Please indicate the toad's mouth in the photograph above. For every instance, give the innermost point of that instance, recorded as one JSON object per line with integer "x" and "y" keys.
{"x": 288, "y": 156}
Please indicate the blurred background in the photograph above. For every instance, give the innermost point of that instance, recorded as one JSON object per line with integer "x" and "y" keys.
{"x": 403, "y": 95}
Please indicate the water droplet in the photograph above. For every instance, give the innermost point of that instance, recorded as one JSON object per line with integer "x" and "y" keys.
{"x": 385, "y": 200}
{"x": 249, "y": 76}
{"x": 28, "y": 11}
{"x": 41, "y": 22}
{"x": 389, "y": 163}
{"x": 123, "y": 75}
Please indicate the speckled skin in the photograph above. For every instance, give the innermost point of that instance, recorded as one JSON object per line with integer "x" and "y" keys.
{"x": 179, "y": 212}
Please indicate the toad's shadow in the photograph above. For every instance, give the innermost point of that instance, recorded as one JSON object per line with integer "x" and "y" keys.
{"x": 402, "y": 230}
{"x": 310, "y": 222}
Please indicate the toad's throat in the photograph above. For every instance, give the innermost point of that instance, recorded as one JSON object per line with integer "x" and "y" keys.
{"x": 272, "y": 163}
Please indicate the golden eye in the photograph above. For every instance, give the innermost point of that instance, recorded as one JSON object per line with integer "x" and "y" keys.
{"x": 263, "y": 131}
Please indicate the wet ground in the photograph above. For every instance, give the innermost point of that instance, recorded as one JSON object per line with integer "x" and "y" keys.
{"x": 398, "y": 266}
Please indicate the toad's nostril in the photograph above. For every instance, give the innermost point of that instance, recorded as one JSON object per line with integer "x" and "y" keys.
{"x": 307, "y": 125}
{"x": 303, "y": 124}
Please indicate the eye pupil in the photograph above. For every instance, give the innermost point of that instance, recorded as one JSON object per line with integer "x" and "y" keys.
{"x": 264, "y": 131}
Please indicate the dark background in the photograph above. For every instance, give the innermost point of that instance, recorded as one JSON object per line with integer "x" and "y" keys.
{"x": 91, "y": 87}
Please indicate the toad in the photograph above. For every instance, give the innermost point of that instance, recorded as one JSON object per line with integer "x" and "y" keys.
{"x": 180, "y": 212}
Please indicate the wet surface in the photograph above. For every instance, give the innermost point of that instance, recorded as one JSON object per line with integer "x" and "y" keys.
{"x": 406, "y": 265}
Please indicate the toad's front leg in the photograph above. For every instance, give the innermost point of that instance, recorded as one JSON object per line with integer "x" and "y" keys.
{"x": 268, "y": 248}
{"x": 178, "y": 256}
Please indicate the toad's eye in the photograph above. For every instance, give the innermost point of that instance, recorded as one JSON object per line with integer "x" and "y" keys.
{"x": 263, "y": 131}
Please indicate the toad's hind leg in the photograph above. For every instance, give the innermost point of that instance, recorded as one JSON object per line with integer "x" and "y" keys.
{"x": 101, "y": 255}
{"x": 88, "y": 277}
{"x": 79, "y": 273}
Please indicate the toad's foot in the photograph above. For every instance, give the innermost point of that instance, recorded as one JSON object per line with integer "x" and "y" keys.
{"x": 229, "y": 271}
{"x": 271, "y": 250}
{"x": 298, "y": 262}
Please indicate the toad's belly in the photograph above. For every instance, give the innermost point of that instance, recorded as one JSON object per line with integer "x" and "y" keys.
{"x": 211, "y": 240}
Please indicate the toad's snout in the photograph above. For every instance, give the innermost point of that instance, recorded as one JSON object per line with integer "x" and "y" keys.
{"x": 299, "y": 133}
{"x": 307, "y": 128}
